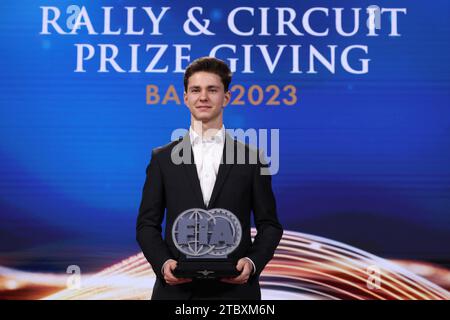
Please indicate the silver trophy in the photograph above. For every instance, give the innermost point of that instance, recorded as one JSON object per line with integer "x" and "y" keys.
{"x": 205, "y": 238}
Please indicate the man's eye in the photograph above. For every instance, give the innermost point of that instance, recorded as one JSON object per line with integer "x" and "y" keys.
{"x": 213, "y": 90}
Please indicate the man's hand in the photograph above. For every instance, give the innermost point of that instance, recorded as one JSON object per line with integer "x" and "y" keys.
{"x": 169, "y": 266}
{"x": 246, "y": 268}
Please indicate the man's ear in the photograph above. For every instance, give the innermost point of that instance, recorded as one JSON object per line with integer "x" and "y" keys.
{"x": 227, "y": 98}
{"x": 185, "y": 99}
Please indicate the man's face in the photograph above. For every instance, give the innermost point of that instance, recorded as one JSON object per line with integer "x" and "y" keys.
{"x": 205, "y": 96}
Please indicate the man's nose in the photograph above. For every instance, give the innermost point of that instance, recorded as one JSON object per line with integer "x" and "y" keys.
{"x": 203, "y": 95}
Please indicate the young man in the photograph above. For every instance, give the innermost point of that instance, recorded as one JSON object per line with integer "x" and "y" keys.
{"x": 215, "y": 179}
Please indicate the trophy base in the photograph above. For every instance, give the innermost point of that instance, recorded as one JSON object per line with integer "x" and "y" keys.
{"x": 205, "y": 269}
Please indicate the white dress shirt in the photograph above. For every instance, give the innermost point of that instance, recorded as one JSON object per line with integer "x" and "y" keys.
{"x": 207, "y": 157}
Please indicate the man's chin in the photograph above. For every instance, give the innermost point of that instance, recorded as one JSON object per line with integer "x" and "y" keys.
{"x": 203, "y": 118}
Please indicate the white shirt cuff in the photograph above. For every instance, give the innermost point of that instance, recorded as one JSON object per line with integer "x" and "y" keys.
{"x": 162, "y": 268}
{"x": 253, "y": 264}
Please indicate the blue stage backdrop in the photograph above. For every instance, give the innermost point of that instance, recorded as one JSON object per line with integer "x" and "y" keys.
{"x": 359, "y": 91}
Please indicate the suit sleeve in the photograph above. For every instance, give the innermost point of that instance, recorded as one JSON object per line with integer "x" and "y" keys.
{"x": 269, "y": 230}
{"x": 151, "y": 214}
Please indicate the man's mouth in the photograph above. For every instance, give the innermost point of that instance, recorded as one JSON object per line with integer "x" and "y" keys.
{"x": 203, "y": 107}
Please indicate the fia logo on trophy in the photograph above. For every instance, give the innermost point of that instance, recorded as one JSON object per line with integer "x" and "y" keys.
{"x": 206, "y": 238}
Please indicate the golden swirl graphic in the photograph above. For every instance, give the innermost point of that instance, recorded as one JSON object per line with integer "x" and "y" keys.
{"x": 304, "y": 267}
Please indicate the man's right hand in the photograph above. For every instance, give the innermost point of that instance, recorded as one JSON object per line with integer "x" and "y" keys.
{"x": 169, "y": 266}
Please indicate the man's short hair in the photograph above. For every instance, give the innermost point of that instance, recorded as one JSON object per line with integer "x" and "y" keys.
{"x": 209, "y": 64}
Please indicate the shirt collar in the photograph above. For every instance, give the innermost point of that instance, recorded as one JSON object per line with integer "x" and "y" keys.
{"x": 219, "y": 137}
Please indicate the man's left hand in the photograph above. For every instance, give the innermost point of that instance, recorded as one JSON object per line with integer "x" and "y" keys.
{"x": 246, "y": 268}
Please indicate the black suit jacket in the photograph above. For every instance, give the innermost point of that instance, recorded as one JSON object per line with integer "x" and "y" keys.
{"x": 239, "y": 187}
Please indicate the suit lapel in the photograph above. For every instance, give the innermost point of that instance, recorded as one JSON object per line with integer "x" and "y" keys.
{"x": 191, "y": 170}
{"x": 225, "y": 166}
